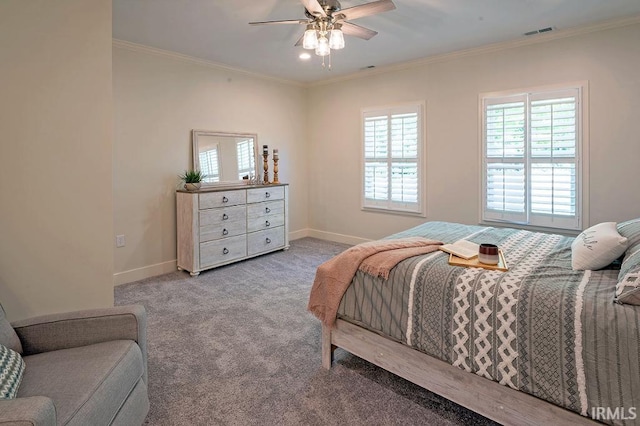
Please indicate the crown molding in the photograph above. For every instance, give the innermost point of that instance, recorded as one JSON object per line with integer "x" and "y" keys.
{"x": 135, "y": 47}
{"x": 490, "y": 48}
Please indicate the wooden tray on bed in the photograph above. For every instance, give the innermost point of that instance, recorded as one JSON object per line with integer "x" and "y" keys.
{"x": 475, "y": 263}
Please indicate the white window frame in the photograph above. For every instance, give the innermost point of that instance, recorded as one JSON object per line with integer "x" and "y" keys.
{"x": 528, "y": 219}
{"x": 388, "y": 205}
{"x": 244, "y": 150}
{"x": 206, "y": 160}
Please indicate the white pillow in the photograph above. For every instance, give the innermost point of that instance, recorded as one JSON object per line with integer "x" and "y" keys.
{"x": 597, "y": 247}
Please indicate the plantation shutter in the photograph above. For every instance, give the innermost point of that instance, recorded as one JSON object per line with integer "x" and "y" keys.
{"x": 391, "y": 178}
{"x": 245, "y": 158}
{"x": 505, "y": 195}
{"x": 209, "y": 164}
{"x": 554, "y": 158}
{"x": 531, "y": 148}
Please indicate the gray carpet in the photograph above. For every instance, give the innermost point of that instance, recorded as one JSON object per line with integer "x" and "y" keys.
{"x": 236, "y": 346}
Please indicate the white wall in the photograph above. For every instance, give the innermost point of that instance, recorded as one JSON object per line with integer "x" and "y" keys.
{"x": 56, "y": 221}
{"x": 159, "y": 99}
{"x": 64, "y": 180}
{"x": 609, "y": 60}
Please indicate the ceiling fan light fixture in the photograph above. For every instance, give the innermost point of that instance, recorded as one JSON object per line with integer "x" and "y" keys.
{"x": 324, "y": 21}
{"x": 336, "y": 40}
{"x": 323, "y": 46}
{"x": 310, "y": 40}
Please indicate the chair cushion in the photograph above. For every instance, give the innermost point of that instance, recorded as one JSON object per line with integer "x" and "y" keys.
{"x": 8, "y": 336}
{"x": 88, "y": 384}
{"x": 11, "y": 371}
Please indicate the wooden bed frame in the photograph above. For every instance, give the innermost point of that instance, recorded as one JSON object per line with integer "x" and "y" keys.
{"x": 488, "y": 398}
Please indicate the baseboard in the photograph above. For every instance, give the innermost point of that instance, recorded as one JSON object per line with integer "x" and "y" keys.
{"x": 171, "y": 265}
{"x": 301, "y": 233}
{"x": 335, "y": 237}
{"x": 144, "y": 272}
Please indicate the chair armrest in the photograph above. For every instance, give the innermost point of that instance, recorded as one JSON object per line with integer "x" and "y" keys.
{"x": 28, "y": 411}
{"x": 80, "y": 328}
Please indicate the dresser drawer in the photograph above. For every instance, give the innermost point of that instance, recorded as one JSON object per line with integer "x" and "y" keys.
{"x": 255, "y": 195}
{"x": 222, "y": 199}
{"x": 265, "y": 209}
{"x": 223, "y": 215}
{"x": 261, "y": 241}
{"x": 229, "y": 229}
{"x": 265, "y": 222}
{"x": 222, "y": 251}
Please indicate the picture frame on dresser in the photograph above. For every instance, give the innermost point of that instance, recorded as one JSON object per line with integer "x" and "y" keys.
{"x": 221, "y": 225}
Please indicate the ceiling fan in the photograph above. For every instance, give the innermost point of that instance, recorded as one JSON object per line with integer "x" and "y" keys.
{"x": 327, "y": 23}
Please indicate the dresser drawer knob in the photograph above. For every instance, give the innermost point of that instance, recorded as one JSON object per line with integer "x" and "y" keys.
{"x": 267, "y": 195}
{"x": 224, "y": 216}
{"x": 225, "y": 251}
{"x": 225, "y": 199}
{"x": 266, "y": 223}
{"x": 267, "y": 210}
{"x": 225, "y": 232}
{"x": 268, "y": 240}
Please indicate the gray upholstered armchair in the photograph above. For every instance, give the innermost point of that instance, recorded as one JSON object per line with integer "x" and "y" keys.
{"x": 82, "y": 368}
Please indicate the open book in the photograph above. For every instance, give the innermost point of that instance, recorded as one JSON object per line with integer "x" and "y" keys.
{"x": 461, "y": 248}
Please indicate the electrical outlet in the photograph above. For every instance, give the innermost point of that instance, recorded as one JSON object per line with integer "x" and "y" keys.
{"x": 119, "y": 240}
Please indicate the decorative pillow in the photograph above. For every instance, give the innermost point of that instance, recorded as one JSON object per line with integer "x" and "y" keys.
{"x": 597, "y": 247}
{"x": 631, "y": 230}
{"x": 628, "y": 288}
{"x": 8, "y": 336}
{"x": 11, "y": 371}
{"x": 631, "y": 261}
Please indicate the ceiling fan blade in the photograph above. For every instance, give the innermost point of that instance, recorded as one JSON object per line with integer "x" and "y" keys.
{"x": 290, "y": 21}
{"x": 299, "y": 42}
{"x": 314, "y": 7}
{"x": 367, "y": 9}
{"x": 352, "y": 29}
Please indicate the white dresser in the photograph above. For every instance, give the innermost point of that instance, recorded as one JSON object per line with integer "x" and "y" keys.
{"x": 217, "y": 226}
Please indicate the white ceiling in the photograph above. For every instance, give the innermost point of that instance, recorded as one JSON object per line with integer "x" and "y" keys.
{"x": 218, "y": 30}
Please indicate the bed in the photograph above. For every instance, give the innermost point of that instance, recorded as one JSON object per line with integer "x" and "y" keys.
{"x": 539, "y": 344}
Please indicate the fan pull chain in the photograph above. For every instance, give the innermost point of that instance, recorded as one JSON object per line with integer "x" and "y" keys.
{"x": 323, "y": 64}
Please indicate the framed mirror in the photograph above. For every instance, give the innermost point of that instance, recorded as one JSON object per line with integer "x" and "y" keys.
{"x": 225, "y": 157}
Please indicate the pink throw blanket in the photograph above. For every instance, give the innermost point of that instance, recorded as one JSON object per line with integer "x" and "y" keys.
{"x": 334, "y": 276}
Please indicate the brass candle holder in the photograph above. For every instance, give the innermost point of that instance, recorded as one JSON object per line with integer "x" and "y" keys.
{"x": 265, "y": 156}
{"x": 275, "y": 166}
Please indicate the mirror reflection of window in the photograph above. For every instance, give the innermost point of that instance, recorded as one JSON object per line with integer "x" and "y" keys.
{"x": 210, "y": 165}
{"x": 246, "y": 161}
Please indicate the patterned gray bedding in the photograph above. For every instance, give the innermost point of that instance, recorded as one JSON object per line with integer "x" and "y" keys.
{"x": 541, "y": 327}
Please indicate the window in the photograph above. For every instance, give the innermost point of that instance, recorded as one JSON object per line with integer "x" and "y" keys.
{"x": 209, "y": 164}
{"x": 246, "y": 160}
{"x": 392, "y": 147}
{"x": 532, "y": 145}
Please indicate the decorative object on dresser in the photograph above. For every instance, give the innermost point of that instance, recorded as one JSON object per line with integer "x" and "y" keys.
{"x": 218, "y": 226}
{"x": 275, "y": 166}
{"x": 192, "y": 179}
{"x": 265, "y": 157}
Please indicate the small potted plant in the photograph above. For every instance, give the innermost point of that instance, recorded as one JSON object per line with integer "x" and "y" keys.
{"x": 192, "y": 179}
